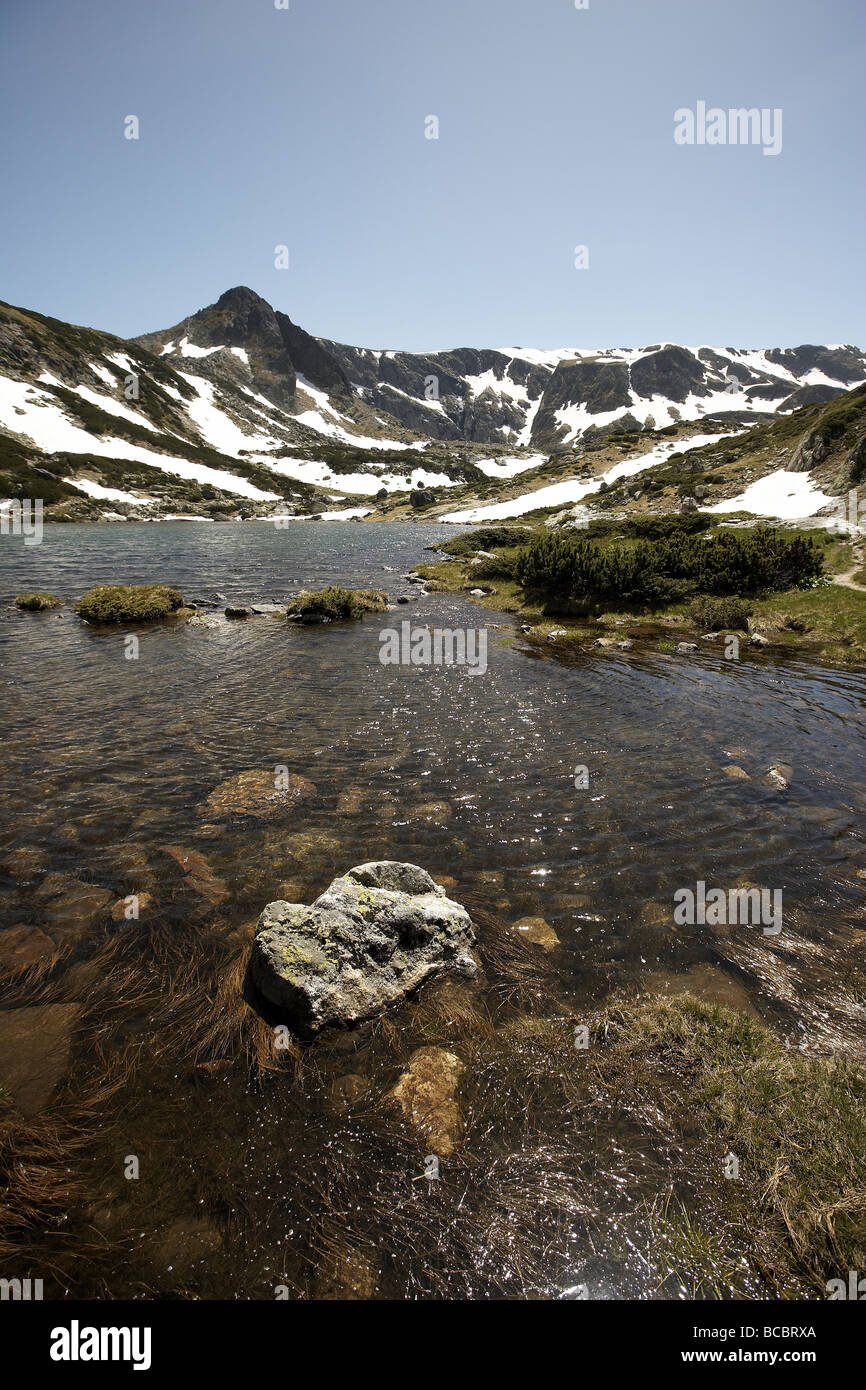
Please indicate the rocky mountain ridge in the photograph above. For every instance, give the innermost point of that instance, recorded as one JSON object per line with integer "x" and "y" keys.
{"x": 237, "y": 411}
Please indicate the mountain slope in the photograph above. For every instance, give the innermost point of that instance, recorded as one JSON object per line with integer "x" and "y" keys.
{"x": 236, "y": 410}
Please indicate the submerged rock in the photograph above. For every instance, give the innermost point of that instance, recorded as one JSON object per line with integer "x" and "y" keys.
{"x": 436, "y": 812}
{"x": 131, "y": 907}
{"x": 375, "y": 935}
{"x": 198, "y": 874}
{"x": 427, "y": 1095}
{"x": 72, "y": 906}
{"x": 736, "y": 773}
{"x": 25, "y": 863}
{"x": 779, "y": 776}
{"x": 258, "y": 792}
{"x": 351, "y": 801}
{"x": 538, "y": 931}
{"x": 24, "y": 946}
{"x": 35, "y": 1047}
{"x": 346, "y": 1274}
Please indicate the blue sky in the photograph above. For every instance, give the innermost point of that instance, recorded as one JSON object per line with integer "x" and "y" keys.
{"x": 305, "y": 127}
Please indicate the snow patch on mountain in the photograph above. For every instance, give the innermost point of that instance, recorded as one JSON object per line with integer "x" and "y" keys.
{"x": 783, "y": 495}
{"x": 575, "y": 489}
{"x": 107, "y": 494}
{"x": 215, "y": 427}
{"x": 35, "y": 414}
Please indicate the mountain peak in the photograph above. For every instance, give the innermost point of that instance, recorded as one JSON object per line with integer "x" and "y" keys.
{"x": 241, "y": 296}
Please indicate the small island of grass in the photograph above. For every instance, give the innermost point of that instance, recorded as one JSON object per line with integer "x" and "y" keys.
{"x": 128, "y": 603}
{"x": 336, "y": 605}
{"x": 37, "y": 603}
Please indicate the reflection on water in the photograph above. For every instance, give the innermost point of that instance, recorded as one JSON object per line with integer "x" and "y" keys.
{"x": 107, "y": 760}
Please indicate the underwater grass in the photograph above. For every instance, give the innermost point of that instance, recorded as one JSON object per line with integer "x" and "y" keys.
{"x": 566, "y": 1156}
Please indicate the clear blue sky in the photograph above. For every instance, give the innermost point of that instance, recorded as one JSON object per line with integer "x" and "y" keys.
{"x": 305, "y": 127}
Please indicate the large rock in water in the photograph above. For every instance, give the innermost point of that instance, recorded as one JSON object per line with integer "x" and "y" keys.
{"x": 369, "y": 940}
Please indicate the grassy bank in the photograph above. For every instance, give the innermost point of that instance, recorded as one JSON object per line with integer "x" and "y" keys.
{"x": 823, "y": 617}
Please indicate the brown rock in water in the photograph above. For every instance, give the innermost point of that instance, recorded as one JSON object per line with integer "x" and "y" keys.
{"x": 779, "y": 776}
{"x": 578, "y": 902}
{"x": 129, "y": 869}
{"x": 351, "y": 801}
{"x": 25, "y": 863}
{"x": 214, "y": 1068}
{"x": 311, "y": 844}
{"x": 54, "y": 885}
{"x": 736, "y": 774}
{"x": 427, "y": 1095}
{"x": 72, "y": 905}
{"x": 199, "y": 874}
{"x": 708, "y": 982}
{"x": 182, "y": 1245}
{"x": 191, "y": 861}
{"x": 213, "y": 890}
{"x": 210, "y": 832}
{"x": 21, "y": 947}
{"x": 346, "y": 1274}
{"x": 291, "y": 890}
{"x": 35, "y": 1045}
{"x": 121, "y": 909}
{"x": 447, "y": 882}
{"x": 492, "y": 876}
{"x": 654, "y": 914}
{"x": 257, "y": 792}
{"x": 350, "y": 1088}
{"x": 538, "y": 931}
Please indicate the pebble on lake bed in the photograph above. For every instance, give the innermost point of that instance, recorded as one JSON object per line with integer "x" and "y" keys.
{"x": 427, "y": 1095}
{"x": 538, "y": 931}
{"x": 736, "y": 774}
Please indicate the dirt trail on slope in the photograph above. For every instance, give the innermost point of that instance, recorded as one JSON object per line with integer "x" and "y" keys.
{"x": 847, "y": 579}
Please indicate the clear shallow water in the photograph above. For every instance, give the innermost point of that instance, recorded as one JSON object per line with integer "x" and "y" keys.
{"x": 470, "y": 776}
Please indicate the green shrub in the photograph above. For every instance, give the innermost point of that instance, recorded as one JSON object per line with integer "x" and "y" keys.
{"x": 669, "y": 568}
{"x": 484, "y": 538}
{"x": 499, "y": 567}
{"x": 38, "y": 603}
{"x": 128, "y": 603}
{"x": 713, "y": 613}
{"x": 337, "y": 604}
{"x": 660, "y": 527}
